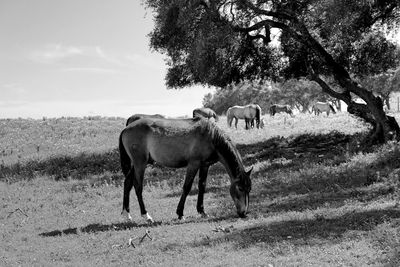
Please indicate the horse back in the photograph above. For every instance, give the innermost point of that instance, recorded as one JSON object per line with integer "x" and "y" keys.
{"x": 169, "y": 142}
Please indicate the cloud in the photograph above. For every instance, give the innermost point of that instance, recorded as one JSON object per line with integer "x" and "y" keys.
{"x": 53, "y": 53}
{"x": 94, "y": 59}
{"x": 90, "y": 70}
{"x": 107, "y": 57}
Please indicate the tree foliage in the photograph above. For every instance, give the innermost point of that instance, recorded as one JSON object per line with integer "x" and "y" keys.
{"x": 219, "y": 42}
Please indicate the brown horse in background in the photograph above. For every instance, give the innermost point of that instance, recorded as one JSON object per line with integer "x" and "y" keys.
{"x": 192, "y": 143}
{"x": 205, "y": 113}
{"x": 276, "y": 108}
{"x": 139, "y": 116}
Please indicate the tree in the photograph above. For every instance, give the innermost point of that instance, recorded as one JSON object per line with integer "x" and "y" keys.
{"x": 217, "y": 42}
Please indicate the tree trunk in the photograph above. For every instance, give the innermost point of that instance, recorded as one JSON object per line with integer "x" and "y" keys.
{"x": 385, "y": 128}
{"x": 339, "y": 105}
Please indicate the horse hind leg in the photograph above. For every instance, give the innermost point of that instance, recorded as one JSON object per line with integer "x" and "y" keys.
{"x": 135, "y": 179}
{"x": 139, "y": 193}
{"x": 128, "y": 183}
{"x": 246, "y": 121}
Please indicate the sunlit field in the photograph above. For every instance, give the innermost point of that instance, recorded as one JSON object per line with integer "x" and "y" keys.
{"x": 316, "y": 199}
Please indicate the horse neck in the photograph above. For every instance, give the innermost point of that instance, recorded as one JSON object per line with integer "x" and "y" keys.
{"x": 230, "y": 158}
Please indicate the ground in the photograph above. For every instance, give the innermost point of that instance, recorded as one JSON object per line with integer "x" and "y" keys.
{"x": 316, "y": 199}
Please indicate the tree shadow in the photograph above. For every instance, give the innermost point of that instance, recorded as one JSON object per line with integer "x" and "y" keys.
{"x": 84, "y": 165}
{"x": 300, "y": 149}
{"x": 314, "y": 200}
{"x": 304, "y": 232}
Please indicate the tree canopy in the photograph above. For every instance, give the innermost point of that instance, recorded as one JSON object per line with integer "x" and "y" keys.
{"x": 217, "y": 42}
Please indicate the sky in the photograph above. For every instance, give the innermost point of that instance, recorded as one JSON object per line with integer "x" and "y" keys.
{"x": 83, "y": 58}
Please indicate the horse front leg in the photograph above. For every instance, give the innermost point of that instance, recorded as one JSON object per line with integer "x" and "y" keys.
{"x": 236, "y": 122}
{"x": 190, "y": 174}
{"x": 202, "y": 189}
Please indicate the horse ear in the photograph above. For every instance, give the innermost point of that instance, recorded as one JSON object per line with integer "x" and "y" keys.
{"x": 249, "y": 171}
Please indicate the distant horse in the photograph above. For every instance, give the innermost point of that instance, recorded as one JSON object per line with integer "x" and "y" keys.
{"x": 248, "y": 113}
{"x": 320, "y": 107}
{"x": 192, "y": 143}
{"x": 275, "y": 108}
{"x": 139, "y": 116}
{"x": 205, "y": 113}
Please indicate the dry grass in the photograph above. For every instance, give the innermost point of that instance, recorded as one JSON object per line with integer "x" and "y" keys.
{"x": 311, "y": 205}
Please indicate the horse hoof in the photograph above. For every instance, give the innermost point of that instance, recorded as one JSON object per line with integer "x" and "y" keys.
{"x": 148, "y": 218}
{"x": 181, "y": 218}
{"x": 126, "y": 215}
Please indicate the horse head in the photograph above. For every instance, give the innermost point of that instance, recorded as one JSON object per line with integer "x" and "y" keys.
{"x": 240, "y": 190}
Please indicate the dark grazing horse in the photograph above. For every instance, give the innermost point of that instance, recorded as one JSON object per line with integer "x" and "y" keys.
{"x": 192, "y": 143}
{"x": 248, "y": 113}
{"x": 276, "y": 108}
{"x": 139, "y": 116}
{"x": 320, "y": 107}
{"x": 205, "y": 113}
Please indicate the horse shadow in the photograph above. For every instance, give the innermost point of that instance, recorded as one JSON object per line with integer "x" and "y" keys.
{"x": 97, "y": 227}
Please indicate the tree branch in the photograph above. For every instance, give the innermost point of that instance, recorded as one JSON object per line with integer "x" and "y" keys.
{"x": 345, "y": 96}
{"x": 259, "y": 11}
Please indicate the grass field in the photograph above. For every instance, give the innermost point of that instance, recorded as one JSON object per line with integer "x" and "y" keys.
{"x": 316, "y": 199}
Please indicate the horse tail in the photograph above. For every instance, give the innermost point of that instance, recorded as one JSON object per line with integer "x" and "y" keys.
{"x": 333, "y": 110}
{"x": 124, "y": 157}
{"x": 258, "y": 115}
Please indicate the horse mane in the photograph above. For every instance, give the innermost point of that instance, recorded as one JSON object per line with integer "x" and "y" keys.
{"x": 224, "y": 145}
